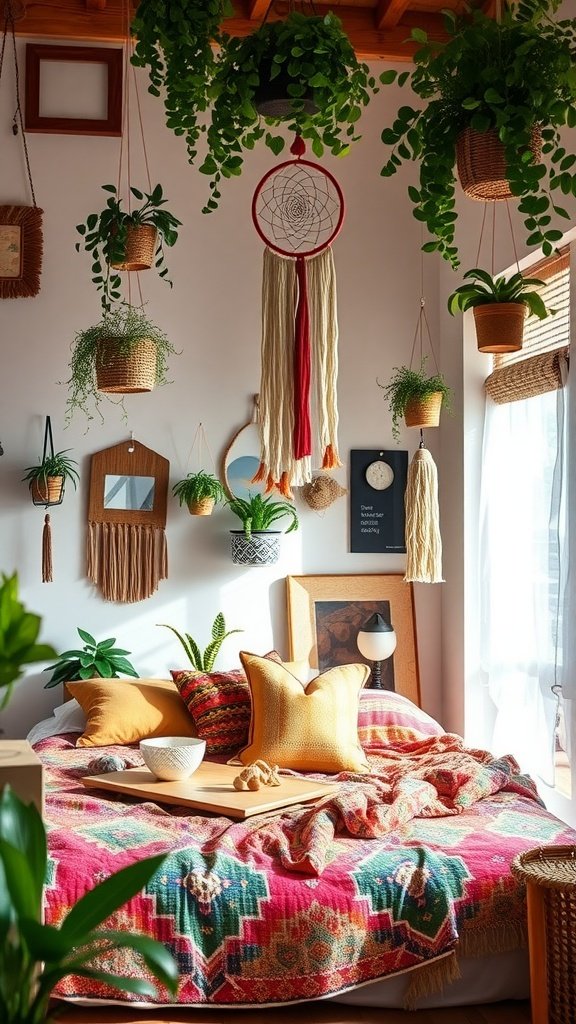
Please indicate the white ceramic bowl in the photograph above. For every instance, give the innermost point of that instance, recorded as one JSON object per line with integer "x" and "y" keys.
{"x": 173, "y": 757}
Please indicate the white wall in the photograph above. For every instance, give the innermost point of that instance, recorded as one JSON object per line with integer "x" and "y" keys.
{"x": 212, "y": 315}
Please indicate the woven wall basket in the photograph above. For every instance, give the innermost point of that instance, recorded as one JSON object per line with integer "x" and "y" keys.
{"x": 500, "y": 326}
{"x": 126, "y": 374}
{"x": 140, "y": 248}
{"x": 482, "y": 166}
{"x": 48, "y": 491}
{"x": 203, "y": 507}
{"x": 424, "y": 412}
{"x": 263, "y": 548}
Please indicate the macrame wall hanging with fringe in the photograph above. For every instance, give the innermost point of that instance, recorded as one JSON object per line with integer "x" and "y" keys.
{"x": 126, "y": 553}
{"x": 21, "y": 243}
{"x": 298, "y": 209}
{"x": 422, "y": 530}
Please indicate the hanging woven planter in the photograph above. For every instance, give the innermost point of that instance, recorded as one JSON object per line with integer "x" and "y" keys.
{"x": 261, "y": 548}
{"x": 203, "y": 507}
{"x": 123, "y": 373}
{"x": 48, "y": 491}
{"x": 140, "y": 248}
{"x": 500, "y": 326}
{"x": 425, "y": 411}
{"x": 481, "y": 163}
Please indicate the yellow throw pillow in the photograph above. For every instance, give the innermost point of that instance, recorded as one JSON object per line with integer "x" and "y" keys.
{"x": 122, "y": 712}
{"x": 307, "y": 728}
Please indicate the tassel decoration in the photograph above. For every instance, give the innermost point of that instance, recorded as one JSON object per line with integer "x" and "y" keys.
{"x": 47, "y": 551}
{"x": 423, "y": 540}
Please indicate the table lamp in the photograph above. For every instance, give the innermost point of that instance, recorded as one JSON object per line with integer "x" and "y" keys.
{"x": 376, "y": 641}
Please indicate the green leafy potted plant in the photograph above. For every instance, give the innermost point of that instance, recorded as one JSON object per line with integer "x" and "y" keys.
{"x": 176, "y": 42}
{"x": 257, "y": 543}
{"x": 125, "y": 353}
{"x": 500, "y": 306}
{"x": 133, "y": 239}
{"x": 200, "y": 492}
{"x": 203, "y": 661}
{"x": 94, "y": 660}
{"x": 415, "y": 395}
{"x": 34, "y": 956}
{"x": 498, "y": 85}
{"x": 19, "y": 631}
{"x": 47, "y": 480}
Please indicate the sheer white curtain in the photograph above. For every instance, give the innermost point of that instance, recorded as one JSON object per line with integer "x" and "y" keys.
{"x": 522, "y": 528}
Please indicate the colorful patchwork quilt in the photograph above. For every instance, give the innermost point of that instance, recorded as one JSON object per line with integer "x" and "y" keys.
{"x": 402, "y": 868}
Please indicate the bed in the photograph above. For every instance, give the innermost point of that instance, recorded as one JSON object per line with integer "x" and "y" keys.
{"x": 394, "y": 892}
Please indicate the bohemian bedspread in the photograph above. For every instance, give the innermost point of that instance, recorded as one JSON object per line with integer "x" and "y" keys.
{"x": 401, "y": 868}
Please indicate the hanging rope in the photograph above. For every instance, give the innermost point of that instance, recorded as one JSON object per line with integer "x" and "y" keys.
{"x": 18, "y": 120}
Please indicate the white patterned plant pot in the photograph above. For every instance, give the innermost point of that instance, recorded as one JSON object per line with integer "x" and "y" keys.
{"x": 263, "y": 548}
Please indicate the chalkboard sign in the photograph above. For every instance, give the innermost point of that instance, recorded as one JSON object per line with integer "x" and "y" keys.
{"x": 377, "y": 487}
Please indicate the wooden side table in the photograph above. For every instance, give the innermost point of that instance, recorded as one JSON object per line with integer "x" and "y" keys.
{"x": 549, "y": 873}
{"x": 22, "y": 770}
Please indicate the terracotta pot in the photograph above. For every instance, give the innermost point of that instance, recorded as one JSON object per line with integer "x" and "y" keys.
{"x": 424, "y": 412}
{"x": 481, "y": 163}
{"x": 47, "y": 491}
{"x": 125, "y": 375}
{"x": 500, "y": 326}
{"x": 140, "y": 248}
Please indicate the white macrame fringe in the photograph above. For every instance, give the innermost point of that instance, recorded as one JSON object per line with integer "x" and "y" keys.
{"x": 276, "y": 403}
{"x": 423, "y": 540}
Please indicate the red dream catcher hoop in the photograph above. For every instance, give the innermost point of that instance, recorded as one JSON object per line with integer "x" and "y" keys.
{"x": 298, "y": 210}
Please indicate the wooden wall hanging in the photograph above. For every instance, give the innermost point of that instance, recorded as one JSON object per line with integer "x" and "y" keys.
{"x": 126, "y": 554}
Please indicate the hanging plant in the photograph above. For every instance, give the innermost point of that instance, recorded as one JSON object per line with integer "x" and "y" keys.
{"x": 415, "y": 395}
{"x": 48, "y": 479}
{"x": 200, "y": 492}
{"x": 506, "y": 83}
{"x": 176, "y": 42}
{"x": 124, "y": 353}
{"x": 500, "y": 306}
{"x": 119, "y": 239}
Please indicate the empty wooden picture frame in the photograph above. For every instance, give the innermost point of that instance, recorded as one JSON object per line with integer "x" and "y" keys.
{"x": 326, "y": 612}
{"x": 85, "y": 122}
{"x": 21, "y": 249}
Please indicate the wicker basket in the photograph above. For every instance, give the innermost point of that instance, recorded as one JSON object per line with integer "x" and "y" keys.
{"x": 140, "y": 248}
{"x": 481, "y": 163}
{"x": 202, "y": 507}
{"x": 549, "y": 873}
{"x": 126, "y": 374}
{"x": 500, "y": 326}
{"x": 424, "y": 412}
{"x": 48, "y": 491}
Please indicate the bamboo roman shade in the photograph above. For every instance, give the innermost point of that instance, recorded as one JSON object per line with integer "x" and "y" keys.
{"x": 540, "y": 365}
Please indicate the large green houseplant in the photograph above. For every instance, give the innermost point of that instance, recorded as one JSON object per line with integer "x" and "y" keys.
{"x": 34, "y": 956}
{"x": 48, "y": 479}
{"x": 415, "y": 395}
{"x": 95, "y": 659}
{"x": 500, "y": 307}
{"x": 123, "y": 353}
{"x": 118, "y": 239}
{"x": 504, "y": 79}
{"x": 19, "y": 631}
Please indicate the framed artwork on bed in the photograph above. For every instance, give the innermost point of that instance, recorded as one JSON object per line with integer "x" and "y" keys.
{"x": 326, "y": 612}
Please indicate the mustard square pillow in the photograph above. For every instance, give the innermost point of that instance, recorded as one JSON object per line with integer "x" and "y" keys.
{"x": 122, "y": 712}
{"x": 307, "y": 728}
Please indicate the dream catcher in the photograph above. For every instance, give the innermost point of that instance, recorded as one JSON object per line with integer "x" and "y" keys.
{"x": 298, "y": 209}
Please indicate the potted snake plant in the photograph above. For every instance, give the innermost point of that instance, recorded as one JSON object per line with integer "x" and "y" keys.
{"x": 500, "y": 307}
{"x": 257, "y": 543}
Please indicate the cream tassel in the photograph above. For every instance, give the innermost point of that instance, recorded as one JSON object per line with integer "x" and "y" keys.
{"x": 47, "y": 551}
{"x": 423, "y": 540}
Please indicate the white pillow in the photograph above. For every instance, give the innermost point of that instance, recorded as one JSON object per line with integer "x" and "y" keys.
{"x": 68, "y": 717}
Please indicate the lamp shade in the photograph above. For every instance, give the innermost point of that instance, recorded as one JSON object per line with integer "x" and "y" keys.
{"x": 376, "y": 640}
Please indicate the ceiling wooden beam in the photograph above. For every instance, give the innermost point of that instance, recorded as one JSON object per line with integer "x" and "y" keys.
{"x": 257, "y": 9}
{"x": 73, "y": 19}
{"x": 96, "y": 5}
{"x": 389, "y": 12}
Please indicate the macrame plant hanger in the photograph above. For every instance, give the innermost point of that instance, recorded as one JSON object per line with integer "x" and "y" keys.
{"x": 200, "y": 453}
{"x": 45, "y": 501}
{"x": 298, "y": 210}
{"x": 25, "y": 220}
{"x": 422, "y": 530}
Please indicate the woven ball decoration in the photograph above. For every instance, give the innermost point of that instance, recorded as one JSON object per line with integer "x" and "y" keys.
{"x": 322, "y": 492}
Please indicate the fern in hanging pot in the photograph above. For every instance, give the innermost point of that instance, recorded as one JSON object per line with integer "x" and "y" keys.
{"x": 118, "y": 239}
{"x": 500, "y": 307}
{"x": 491, "y": 94}
{"x": 125, "y": 353}
{"x": 200, "y": 492}
{"x": 416, "y": 396}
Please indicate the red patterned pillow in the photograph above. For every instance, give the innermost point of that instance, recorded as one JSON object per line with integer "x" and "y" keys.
{"x": 220, "y": 705}
{"x": 385, "y": 717}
